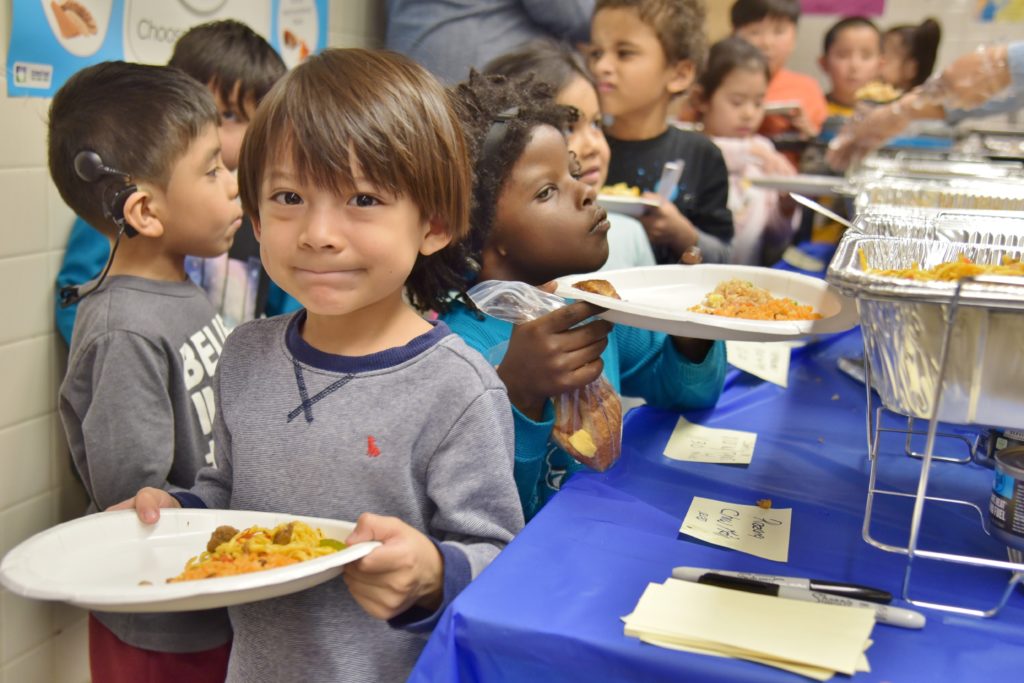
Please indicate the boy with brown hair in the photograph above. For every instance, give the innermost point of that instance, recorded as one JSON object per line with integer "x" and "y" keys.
{"x": 770, "y": 26}
{"x": 355, "y": 173}
{"x": 238, "y": 67}
{"x": 644, "y": 53}
{"x": 137, "y": 399}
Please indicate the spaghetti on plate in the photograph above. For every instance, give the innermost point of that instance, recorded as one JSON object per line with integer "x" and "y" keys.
{"x": 231, "y": 552}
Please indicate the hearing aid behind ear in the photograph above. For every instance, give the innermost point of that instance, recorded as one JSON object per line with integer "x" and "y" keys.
{"x": 89, "y": 167}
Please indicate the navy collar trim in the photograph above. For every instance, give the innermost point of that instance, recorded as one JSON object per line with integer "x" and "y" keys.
{"x": 382, "y": 360}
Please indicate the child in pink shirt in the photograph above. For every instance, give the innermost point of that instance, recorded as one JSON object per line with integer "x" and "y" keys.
{"x": 729, "y": 98}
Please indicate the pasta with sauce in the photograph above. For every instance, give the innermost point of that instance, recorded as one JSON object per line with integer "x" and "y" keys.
{"x": 948, "y": 271}
{"x": 231, "y": 552}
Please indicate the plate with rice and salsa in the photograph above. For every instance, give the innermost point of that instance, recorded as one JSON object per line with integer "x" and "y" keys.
{"x": 715, "y": 301}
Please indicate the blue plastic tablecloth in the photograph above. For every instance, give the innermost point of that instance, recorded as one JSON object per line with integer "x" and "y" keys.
{"x": 549, "y": 608}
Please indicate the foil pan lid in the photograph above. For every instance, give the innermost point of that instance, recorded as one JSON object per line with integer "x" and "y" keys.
{"x": 975, "y": 226}
{"x": 996, "y": 293}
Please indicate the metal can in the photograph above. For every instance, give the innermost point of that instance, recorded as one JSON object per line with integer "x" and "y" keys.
{"x": 1006, "y": 506}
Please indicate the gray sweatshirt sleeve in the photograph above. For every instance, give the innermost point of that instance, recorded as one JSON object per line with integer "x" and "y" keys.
{"x": 123, "y": 437}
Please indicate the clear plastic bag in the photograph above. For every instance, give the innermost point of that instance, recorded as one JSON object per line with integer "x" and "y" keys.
{"x": 588, "y": 420}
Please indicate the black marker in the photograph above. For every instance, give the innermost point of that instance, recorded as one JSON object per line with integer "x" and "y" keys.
{"x": 847, "y": 590}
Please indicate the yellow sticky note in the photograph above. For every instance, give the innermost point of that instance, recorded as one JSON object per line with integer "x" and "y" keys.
{"x": 746, "y": 528}
{"x": 767, "y": 360}
{"x": 696, "y": 443}
{"x": 789, "y": 634}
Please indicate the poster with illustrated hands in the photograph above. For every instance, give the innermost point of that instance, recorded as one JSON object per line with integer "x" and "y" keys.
{"x": 52, "y": 39}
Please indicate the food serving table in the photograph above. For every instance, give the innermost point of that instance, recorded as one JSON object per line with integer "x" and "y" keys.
{"x": 549, "y": 607}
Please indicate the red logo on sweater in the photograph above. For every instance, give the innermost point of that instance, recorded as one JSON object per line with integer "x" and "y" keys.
{"x": 371, "y": 447}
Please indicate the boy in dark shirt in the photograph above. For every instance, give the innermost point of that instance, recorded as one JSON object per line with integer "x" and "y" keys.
{"x": 643, "y": 54}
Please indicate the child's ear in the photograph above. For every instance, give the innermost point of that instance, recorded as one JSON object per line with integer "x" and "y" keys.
{"x": 822, "y": 64}
{"x": 436, "y": 236}
{"x": 257, "y": 229}
{"x": 139, "y": 213}
{"x": 682, "y": 79}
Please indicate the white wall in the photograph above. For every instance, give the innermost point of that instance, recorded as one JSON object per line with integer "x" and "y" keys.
{"x": 960, "y": 32}
{"x": 42, "y": 642}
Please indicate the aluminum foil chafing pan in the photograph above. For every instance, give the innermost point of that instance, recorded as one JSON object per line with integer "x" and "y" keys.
{"x": 904, "y": 322}
{"x": 997, "y": 228}
{"x": 874, "y": 167}
{"x": 932, "y": 194}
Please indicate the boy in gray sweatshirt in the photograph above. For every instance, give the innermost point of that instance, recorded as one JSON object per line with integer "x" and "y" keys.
{"x": 355, "y": 173}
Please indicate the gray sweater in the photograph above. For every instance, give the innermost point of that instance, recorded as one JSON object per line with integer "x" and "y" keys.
{"x": 137, "y": 407}
{"x": 422, "y": 432}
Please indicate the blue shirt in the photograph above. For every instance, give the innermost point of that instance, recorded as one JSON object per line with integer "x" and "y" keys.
{"x": 636, "y": 363}
{"x": 450, "y": 36}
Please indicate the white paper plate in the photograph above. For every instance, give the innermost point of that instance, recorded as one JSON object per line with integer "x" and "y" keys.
{"x": 98, "y": 561}
{"x": 801, "y": 183}
{"x": 631, "y": 206}
{"x": 657, "y": 298}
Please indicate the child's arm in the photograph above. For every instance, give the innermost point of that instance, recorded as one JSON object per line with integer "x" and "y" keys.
{"x": 147, "y": 503}
{"x": 122, "y": 434}
{"x": 653, "y": 367}
{"x": 551, "y": 355}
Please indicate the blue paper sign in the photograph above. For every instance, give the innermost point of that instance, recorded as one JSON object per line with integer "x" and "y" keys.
{"x": 52, "y": 39}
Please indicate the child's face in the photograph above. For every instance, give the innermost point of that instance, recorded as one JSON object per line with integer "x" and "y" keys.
{"x": 896, "y": 68}
{"x": 234, "y": 119}
{"x": 198, "y": 208}
{"x": 852, "y": 62}
{"x": 586, "y": 136}
{"x": 629, "y": 64}
{"x": 340, "y": 252}
{"x": 546, "y": 224}
{"x": 736, "y": 108}
{"x": 774, "y": 36}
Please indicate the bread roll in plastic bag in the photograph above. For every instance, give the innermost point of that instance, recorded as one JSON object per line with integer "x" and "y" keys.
{"x": 588, "y": 420}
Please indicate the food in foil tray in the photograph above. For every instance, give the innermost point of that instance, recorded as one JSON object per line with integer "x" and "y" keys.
{"x": 621, "y": 190}
{"x": 947, "y": 271}
{"x": 877, "y": 91}
{"x": 742, "y": 299}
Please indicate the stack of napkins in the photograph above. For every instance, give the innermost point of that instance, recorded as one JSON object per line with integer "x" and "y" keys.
{"x": 806, "y": 638}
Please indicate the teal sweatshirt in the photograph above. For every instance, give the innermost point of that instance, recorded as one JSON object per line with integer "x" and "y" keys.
{"x": 636, "y": 363}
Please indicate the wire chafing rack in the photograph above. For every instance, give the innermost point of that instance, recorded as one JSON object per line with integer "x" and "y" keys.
{"x": 944, "y": 332}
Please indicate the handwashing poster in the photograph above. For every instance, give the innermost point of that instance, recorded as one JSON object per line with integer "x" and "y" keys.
{"x": 52, "y": 39}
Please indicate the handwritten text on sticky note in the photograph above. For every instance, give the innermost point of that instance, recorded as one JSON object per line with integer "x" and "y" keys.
{"x": 747, "y": 528}
{"x": 696, "y": 443}
{"x": 767, "y": 360}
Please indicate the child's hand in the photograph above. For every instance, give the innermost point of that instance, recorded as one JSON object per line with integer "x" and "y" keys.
{"x": 666, "y": 226}
{"x": 773, "y": 163}
{"x": 147, "y": 503}
{"x": 802, "y": 124}
{"x": 406, "y": 570}
{"x": 548, "y": 356}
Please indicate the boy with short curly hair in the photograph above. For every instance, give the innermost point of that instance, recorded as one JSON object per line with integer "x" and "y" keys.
{"x": 643, "y": 54}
